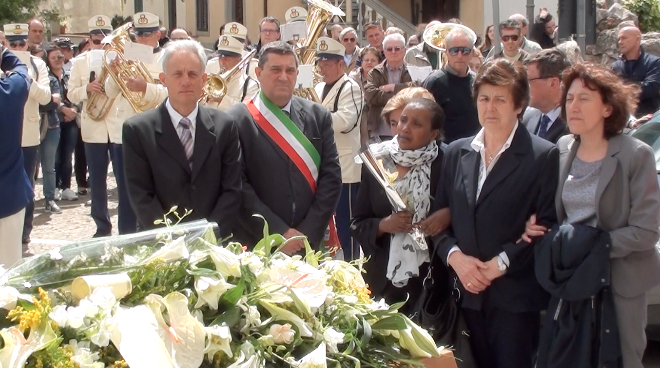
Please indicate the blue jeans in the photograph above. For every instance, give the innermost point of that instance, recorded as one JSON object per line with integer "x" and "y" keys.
{"x": 343, "y": 217}
{"x": 97, "y": 163}
{"x": 63, "y": 166}
{"x": 30, "y": 163}
{"x": 47, "y": 153}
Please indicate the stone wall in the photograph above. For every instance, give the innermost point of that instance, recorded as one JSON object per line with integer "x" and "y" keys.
{"x": 608, "y": 23}
{"x": 78, "y": 12}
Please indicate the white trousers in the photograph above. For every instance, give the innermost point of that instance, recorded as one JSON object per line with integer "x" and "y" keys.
{"x": 11, "y": 231}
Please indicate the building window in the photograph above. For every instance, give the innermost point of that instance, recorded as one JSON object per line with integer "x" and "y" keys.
{"x": 139, "y": 6}
{"x": 203, "y": 15}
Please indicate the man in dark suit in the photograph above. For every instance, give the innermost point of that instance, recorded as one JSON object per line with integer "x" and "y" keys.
{"x": 183, "y": 154}
{"x": 292, "y": 172}
{"x": 543, "y": 116}
{"x": 15, "y": 186}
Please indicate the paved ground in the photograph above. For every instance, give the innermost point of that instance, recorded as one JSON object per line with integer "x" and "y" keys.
{"x": 75, "y": 223}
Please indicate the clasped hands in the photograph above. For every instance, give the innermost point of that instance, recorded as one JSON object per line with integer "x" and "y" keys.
{"x": 401, "y": 222}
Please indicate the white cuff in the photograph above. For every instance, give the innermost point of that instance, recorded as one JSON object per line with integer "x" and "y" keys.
{"x": 505, "y": 259}
{"x": 453, "y": 249}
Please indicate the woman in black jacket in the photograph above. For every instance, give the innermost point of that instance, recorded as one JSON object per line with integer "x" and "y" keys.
{"x": 396, "y": 262}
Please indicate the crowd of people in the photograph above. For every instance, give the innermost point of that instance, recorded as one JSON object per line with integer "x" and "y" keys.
{"x": 506, "y": 153}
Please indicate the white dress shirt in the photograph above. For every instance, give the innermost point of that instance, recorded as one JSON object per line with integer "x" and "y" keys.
{"x": 176, "y": 118}
{"x": 553, "y": 115}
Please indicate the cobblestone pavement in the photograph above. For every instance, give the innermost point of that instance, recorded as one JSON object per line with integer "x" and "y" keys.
{"x": 75, "y": 223}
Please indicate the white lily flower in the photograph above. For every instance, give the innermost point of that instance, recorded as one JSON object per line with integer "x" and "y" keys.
{"x": 103, "y": 297}
{"x": 75, "y": 317}
{"x": 219, "y": 340}
{"x": 242, "y": 362}
{"x": 226, "y": 262}
{"x": 315, "y": 359}
{"x": 8, "y": 297}
{"x": 59, "y": 315}
{"x": 333, "y": 337}
{"x": 104, "y": 330}
{"x": 91, "y": 310}
{"x": 209, "y": 290}
{"x": 252, "y": 316}
{"x": 282, "y": 334}
{"x": 253, "y": 262}
{"x": 83, "y": 356}
{"x": 285, "y": 315}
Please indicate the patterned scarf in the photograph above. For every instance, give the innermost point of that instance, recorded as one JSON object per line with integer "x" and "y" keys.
{"x": 406, "y": 255}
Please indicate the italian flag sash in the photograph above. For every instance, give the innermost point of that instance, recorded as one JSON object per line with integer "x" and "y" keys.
{"x": 284, "y": 132}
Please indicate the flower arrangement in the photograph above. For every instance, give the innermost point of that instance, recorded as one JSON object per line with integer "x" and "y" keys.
{"x": 174, "y": 298}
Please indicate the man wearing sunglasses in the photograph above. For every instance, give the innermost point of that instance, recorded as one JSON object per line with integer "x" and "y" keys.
{"x": 348, "y": 38}
{"x": 512, "y": 39}
{"x": 40, "y": 94}
{"x": 452, "y": 86}
{"x": 384, "y": 81}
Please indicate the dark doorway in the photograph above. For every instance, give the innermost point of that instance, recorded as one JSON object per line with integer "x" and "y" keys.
{"x": 238, "y": 11}
{"x": 441, "y": 10}
{"x": 171, "y": 9}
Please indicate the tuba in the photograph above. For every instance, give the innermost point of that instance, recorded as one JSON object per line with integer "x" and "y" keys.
{"x": 435, "y": 36}
{"x": 318, "y": 16}
{"x": 216, "y": 84}
{"x": 127, "y": 69}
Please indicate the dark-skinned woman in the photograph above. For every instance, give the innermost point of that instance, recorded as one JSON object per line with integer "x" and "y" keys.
{"x": 396, "y": 260}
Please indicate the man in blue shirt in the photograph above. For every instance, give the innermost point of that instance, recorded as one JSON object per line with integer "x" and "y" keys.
{"x": 15, "y": 188}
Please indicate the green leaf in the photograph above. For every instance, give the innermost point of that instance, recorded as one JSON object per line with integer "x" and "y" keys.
{"x": 367, "y": 332}
{"x": 203, "y": 272}
{"x": 395, "y": 322}
{"x": 231, "y": 317}
{"x": 300, "y": 304}
{"x": 230, "y": 297}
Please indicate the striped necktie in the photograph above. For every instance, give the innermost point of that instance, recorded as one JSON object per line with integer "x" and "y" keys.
{"x": 185, "y": 135}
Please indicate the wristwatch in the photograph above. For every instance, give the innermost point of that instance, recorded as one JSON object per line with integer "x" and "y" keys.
{"x": 501, "y": 266}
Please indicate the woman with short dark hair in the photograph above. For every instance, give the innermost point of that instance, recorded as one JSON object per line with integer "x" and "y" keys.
{"x": 491, "y": 182}
{"x": 608, "y": 181}
{"x": 396, "y": 259}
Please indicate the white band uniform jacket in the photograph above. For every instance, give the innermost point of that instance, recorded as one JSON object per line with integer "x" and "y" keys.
{"x": 345, "y": 119}
{"x": 92, "y": 131}
{"x": 154, "y": 95}
{"x": 39, "y": 94}
{"x": 234, "y": 87}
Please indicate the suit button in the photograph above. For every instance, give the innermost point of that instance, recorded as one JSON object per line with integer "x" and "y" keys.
{"x": 602, "y": 280}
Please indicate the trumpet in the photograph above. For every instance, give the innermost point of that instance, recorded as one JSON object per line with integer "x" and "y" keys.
{"x": 216, "y": 84}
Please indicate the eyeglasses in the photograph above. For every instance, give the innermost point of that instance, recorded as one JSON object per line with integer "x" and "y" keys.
{"x": 395, "y": 49}
{"x": 513, "y": 38}
{"x": 96, "y": 42}
{"x": 269, "y": 31}
{"x": 464, "y": 50}
{"x": 349, "y": 39}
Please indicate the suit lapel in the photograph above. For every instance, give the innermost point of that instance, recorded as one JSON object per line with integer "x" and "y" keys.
{"x": 531, "y": 119}
{"x": 168, "y": 139}
{"x": 507, "y": 162}
{"x": 470, "y": 171}
{"x": 608, "y": 167}
{"x": 566, "y": 157}
{"x": 298, "y": 117}
{"x": 204, "y": 140}
{"x": 556, "y": 130}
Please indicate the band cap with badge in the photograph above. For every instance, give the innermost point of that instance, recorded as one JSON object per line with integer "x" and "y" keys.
{"x": 99, "y": 24}
{"x": 229, "y": 46}
{"x": 329, "y": 49}
{"x": 236, "y": 30}
{"x": 145, "y": 23}
{"x": 16, "y": 32}
{"x": 296, "y": 13}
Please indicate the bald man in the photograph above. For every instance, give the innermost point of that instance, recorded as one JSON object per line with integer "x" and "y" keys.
{"x": 638, "y": 67}
{"x": 179, "y": 34}
{"x": 36, "y": 33}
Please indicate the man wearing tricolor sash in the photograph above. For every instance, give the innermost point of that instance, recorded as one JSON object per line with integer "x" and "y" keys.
{"x": 292, "y": 175}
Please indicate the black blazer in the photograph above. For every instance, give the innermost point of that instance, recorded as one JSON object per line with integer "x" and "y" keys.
{"x": 372, "y": 206}
{"x": 274, "y": 187}
{"x": 522, "y": 182}
{"x": 158, "y": 175}
{"x": 532, "y": 120}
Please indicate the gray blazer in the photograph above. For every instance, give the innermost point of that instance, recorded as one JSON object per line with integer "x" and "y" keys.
{"x": 627, "y": 205}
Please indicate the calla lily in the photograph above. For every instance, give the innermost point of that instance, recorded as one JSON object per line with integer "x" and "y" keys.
{"x": 417, "y": 341}
{"x": 315, "y": 359}
{"x": 17, "y": 350}
{"x": 209, "y": 290}
{"x": 172, "y": 251}
{"x": 226, "y": 262}
{"x": 219, "y": 339}
{"x": 8, "y": 297}
{"x": 284, "y": 315}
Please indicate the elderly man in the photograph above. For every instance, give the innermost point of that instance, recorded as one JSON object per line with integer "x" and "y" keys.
{"x": 15, "y": 187}
{"x": 452, "y": 86}
{"x": 149, "y": 92}
{"x": 423, "y": 54}
{"x": 36, "y": 33}
{"x": 511, "y": 37}
{"x": 343, "y": 97}
{"x": 303, "y": 184}
{"x": 636, "y": 66}
{"x": 241, "y": 86}
{"x": 348, "y": 38}
{"x": 384, "y": 81}
{"x": 335, "y": 31}
{"x": 99, "y": 133}
{"x": 40, "y": 94}
{"x": 179, "y": 34}
{"x": 543, "y": 116}
{"x": 183, "y": 154}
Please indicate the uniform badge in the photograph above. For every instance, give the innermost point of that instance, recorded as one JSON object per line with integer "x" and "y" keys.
{"x": 233, "y": 29}
{"x": 143, "y": 19}
{"x": 224, "y": 41}
{"x": 323, "y": 46}
{"x": 18, "y": 30}
{"x": 100, "y": 22}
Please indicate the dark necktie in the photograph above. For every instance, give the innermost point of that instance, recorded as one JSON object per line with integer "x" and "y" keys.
{"x": 543, "y": 127}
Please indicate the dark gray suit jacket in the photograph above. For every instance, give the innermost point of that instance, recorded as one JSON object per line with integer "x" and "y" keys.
{"x": 627, "y": 205}
{"x": 158, "y": 175}
{"x": 274, "y": 187}
{"x": 532, "y": 119}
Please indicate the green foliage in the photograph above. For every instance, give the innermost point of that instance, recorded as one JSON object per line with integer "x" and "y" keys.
{"x": 119, "y": 20}
{"x": 12, "y": 11}
{"x": 648, "y": 12}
